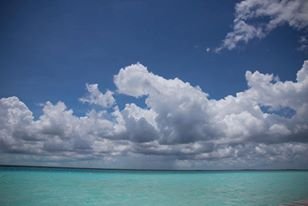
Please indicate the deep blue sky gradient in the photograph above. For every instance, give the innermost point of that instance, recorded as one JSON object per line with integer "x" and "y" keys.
{"x": 51, "y": 49}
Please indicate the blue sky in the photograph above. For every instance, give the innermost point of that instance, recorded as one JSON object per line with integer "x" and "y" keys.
{"x": 51, "y": 49}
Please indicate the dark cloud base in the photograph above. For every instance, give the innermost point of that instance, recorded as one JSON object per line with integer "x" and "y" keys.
{"x": 263, "y": 127}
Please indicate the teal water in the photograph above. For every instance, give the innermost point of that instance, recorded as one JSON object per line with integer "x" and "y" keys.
{"x": 37, "y": 187}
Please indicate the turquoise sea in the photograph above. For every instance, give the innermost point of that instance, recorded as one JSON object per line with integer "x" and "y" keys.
{"x": 49, "y": 186}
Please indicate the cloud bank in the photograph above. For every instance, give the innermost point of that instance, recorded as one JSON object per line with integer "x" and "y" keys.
{"x": 264, "y": 126}
{"x": 257, "y": 18}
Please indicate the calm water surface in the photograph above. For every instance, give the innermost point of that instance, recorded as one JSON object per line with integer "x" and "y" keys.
{"x": 37, "y": 187}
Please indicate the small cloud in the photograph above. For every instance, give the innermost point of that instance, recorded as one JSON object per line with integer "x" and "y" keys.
{"x": 96, "y": 97}
{"x": 303, "y": 41}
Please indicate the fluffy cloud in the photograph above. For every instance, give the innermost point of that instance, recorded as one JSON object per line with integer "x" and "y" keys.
{"x": 97, "y": 98}
{"x": 256, "y": 18}
{"x": 266, "y": 124}
{"x": 181, "y": 110}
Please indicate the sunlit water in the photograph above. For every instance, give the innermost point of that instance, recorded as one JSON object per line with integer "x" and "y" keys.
{"x": 38, "y": 187}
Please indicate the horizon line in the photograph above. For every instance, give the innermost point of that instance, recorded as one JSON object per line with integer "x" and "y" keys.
{"x": 158, "y": 170}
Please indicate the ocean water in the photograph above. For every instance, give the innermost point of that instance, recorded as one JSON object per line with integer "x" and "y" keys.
{"x": 43, "y": 187}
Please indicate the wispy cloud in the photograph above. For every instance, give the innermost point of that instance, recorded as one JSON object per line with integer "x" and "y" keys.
{"x": 256, "y": 18}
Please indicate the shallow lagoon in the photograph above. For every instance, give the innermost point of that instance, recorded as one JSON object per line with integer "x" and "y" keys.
{"x": 49, "y": 186}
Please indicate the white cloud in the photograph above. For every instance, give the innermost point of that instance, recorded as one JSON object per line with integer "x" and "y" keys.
{"x": 185, "y": 114}
{"x": 96, "y": 97}
{"x": 181, "y": 109}
{"x": 257, "y": 18}
{"x": 180, "y": 123}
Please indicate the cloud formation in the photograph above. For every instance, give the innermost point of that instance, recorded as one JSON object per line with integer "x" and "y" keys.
{"x": 266, "y": 124}
{"x": 256, "y": 18}
{"x": 97, "y": 98}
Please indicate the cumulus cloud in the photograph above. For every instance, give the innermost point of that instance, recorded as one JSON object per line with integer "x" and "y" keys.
{"x": 256, "y": 18}
{"x": 96, "y": 97}
{"x": 179, "y": 123}
{"x": 181, "y": 110}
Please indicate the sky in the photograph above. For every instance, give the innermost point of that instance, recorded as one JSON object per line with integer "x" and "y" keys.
{"x": 154, "y": 84}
